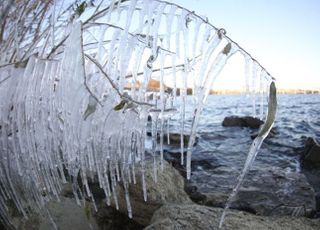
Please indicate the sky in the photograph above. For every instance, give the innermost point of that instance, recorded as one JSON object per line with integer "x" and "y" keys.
{"x": 283, "y": 35}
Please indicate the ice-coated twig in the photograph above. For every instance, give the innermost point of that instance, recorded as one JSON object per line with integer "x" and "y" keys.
{"x": 114, "y": 86}
{"x": 205, "y": 20}
{"x": 254, "y": 148}
{"x": 46, "y": 126}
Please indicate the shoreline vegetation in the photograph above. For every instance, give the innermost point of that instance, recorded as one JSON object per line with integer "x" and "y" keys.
{"x": 154, "y": 86}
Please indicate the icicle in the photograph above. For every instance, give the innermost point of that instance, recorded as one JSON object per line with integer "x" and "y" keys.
{"x": 129, "y": 15}
{"x": 212, "y": 73}
{"x": 135, "y": 69}
{"x": 169, "y": 20}
{"x": 154, "y": 119}
{"x": 174, "y": 77}
{"x": 53, "y": 19}
{"x": 195, "y": 40}
{"x": 168, "y": 131}
{"x": 180, "y": 23}
{"x": 133, "y": 154}
{"x": 247, "y": 74}
{"x": 155, "y": 28}
{"x": 126, "y": 192}
{"x": 255, "y": 146}
{"x": 59, "y": 119}
{"x": 142, "y": 14}
{"x": 204, "y": 62}
{"x": 111, "y": 8}
{"x": 253, "y": 88}
{"x": 143, "y": 118}
{"x": 162, "y": 104}
{"x": 262, "y": 88}
{"x": 183, "y": 89}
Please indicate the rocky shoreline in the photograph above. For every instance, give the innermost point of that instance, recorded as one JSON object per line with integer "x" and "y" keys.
{"x": 268, "y": 199}
{"x": 169, "y": 207}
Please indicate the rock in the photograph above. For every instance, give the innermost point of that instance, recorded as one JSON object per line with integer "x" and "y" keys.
{"x": 247, "y": 121}
{"x": 174, "y": 158}
{"x": 168, "y": 189}
{"x": 66, "y": 215}
{"x": 311, "y": 154}
{"x": 175, "y": 140}
{"x": 109, "y": 218}
{"x": 201, "y": 217}
{"x": 273, "y": 133}
{"x": 310, "y": 161}
{"x": 264, "y": 192}
{"x": 106, "y": 217}
{"x": 313, "y": 176}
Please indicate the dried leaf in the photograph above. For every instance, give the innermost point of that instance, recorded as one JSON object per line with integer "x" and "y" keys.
{"x": 120, "y": 105}
{"x": 227, "y": 49}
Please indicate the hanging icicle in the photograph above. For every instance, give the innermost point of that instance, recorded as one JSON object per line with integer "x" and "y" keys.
{"x": 78, "y": 97}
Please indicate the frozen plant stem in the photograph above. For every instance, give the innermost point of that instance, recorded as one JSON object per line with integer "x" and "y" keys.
{"x": 54, "y": 72}
{"x": 254, "y": 148}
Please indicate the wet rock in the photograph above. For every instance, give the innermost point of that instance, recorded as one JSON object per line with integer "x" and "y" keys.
{"x": 264, "y": 192}
{"x": 168, "y": 189}
{"x": 109, "y": 218}
{"x": 174, "y": 144}
{"x": 311, "y": 155}
{"x": 310, "y": 161}
{"x": 172, "y": 217}
{"x": 313, "y": 176}
{"x": 273, "y": 133}
{"x": 247, "y": 121}
{"x": 66, "y": 214}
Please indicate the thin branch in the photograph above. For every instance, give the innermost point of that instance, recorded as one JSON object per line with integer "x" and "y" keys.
{"x": 104, "y": 73}
{"x": 102, "y": 11}
{"x": 205, "y": 20}
{"x": 57, "y": 46}
{"x": 155, "y": 70}
{"x": 89, "y": 90}
{"x": 3, "y": 80}
{"x": 85, "y": 76}
{"x": 167, "y": 67}
{"x": 6, "y": 10}
{"x": 131, "y": 34}
{"x": 11, "y": 63}
{"x": 122, "y": 96}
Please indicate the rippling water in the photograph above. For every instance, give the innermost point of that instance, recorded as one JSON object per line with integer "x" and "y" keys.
{"x": 297, "y": 116}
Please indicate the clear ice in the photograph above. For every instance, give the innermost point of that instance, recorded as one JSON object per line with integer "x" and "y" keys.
{"x": 75, "y": 99}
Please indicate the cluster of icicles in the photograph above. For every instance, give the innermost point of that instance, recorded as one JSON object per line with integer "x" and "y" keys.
{"x": 83, "y": 112}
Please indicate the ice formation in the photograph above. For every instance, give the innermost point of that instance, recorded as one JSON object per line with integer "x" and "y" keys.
{"x": 75, "y": 100}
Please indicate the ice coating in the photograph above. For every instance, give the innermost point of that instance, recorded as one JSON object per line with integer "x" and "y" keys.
{"x": 254, "y": 148}
{"x": 76, "y": 107}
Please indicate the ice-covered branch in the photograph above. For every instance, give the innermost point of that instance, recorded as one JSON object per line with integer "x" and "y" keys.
{"x": 56, "y": 70}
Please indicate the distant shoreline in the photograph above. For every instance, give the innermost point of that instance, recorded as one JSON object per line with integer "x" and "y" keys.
{"x": 154, "y": 85}
{"x": 279, "y": 91}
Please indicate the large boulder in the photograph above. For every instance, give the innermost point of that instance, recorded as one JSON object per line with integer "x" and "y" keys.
{"x": 264, "y": 192}
{"x": 311, "y": 155}
{"x": 247, "y": 121}
{"x": 168, "y": 189}
{"x": 313, "y": 176}
{"x": 68, "y": 215}
{"x": 195, "y": 217}
{"x": 310, "y": 161}
{"x": 65, "y": 214}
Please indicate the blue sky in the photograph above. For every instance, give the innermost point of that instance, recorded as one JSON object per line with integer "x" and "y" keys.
{"x": 283, "y": 35}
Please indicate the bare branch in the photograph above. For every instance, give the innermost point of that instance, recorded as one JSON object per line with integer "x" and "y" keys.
{"x": 122, "y": 96}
